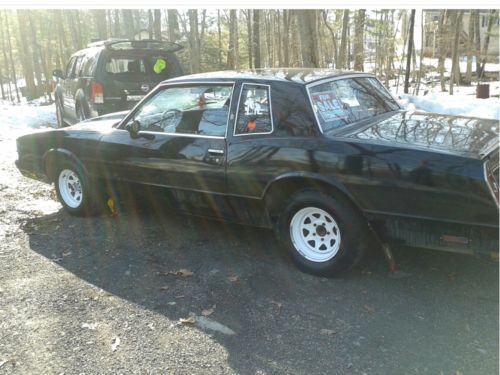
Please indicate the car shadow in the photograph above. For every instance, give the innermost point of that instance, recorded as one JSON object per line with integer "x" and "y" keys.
{"x": 285, "y": 321}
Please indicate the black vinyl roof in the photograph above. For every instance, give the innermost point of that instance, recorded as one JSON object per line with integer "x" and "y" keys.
{"x": 295, "y": 75}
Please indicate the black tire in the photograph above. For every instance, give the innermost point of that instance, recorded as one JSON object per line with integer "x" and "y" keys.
{"x": 60, "y": 115}
{"x": 348, "y": 227}
{"x": 71, "y": 182}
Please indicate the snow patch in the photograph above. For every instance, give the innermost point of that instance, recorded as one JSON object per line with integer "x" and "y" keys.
{"x": 458, "y": 105}
{"x": 22, "y": 116}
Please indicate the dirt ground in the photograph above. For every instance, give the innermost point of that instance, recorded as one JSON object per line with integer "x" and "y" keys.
{"x": 148, "y": 293}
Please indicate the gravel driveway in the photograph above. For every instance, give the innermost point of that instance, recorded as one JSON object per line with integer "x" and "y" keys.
{"x": 163, "y": 293}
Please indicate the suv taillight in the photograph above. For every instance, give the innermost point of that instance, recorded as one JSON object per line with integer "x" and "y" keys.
{"x": 97, "y": 95}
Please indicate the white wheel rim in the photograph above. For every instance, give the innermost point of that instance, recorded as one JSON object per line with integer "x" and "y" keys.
{"x": 315, "y": 234}
{"x": 70, "y": 188}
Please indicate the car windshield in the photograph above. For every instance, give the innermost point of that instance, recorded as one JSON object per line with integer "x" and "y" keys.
{"x": 341, "y": 102}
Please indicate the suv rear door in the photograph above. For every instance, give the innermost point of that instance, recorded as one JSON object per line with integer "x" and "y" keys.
{"x": 128, "y": 75}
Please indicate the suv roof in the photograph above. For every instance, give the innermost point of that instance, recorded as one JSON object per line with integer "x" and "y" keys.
{"x": 143, "y": 44}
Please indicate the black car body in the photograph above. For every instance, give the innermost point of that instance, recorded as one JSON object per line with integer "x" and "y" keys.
{"x": 327, "y": 158}
{"x": 111, "y": 76}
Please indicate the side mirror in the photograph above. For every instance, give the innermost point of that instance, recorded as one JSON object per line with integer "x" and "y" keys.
{"x": 58, "y": 73}
{"x": 133, "y": 128}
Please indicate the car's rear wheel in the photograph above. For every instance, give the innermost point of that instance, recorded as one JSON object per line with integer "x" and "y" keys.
{"x": 77, "y": 195}
{"x": 324, "y": 236}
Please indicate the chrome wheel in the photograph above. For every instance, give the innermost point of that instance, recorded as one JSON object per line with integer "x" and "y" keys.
{"x": 70, "y": 188}
{"x": 315, "y": 234}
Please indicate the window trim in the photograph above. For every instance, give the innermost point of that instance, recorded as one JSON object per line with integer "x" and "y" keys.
{"x": 340, "y": 77}
{"x": 166, "y": 86}
{"x": 238, "y": 110}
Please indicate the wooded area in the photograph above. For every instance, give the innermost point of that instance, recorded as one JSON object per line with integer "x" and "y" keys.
{"x": 34, "y": 42}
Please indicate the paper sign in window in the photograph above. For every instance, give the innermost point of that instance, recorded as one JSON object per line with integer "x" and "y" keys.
{"x": 328, "y": 106}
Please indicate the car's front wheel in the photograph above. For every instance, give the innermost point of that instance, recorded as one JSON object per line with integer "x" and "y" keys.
{"x": 323, "y": 235}
{"x": 74, "y": 190}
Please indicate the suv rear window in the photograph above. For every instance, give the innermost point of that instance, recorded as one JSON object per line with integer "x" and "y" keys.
{"x": 155, "y": 66}
{"x": 345, "y": 101}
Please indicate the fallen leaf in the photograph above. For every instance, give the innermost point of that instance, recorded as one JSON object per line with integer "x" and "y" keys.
{"x": 91, "y": 326}
{"x": 114, "y": 343}
{"x": 182, "y": 273}
{"x": 190, "y": 320}
{"x": 328, "y": 332}
{"x": 208, "y": 312}
{"x": 233, "y": 279}
{"x": 369, "y": 309}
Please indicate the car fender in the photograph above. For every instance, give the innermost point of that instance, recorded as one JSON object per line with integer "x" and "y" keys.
{"x": 81, "y": 100}
{"x": 322, "y": 181}
{"x": 52, "y": 156}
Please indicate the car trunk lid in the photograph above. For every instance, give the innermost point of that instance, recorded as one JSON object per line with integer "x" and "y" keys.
{"x": 466, "y": 136}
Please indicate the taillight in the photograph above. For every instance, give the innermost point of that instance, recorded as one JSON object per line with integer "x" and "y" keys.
{"x": 97, "y": 95}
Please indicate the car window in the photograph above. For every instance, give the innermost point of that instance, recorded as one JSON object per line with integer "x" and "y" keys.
{"x": 77, "y": 71}
{"x": 151, "y": 66}
{"x": 201, "y": 110}
{"x": 70, "y": 67}
{"x": 86, "y": 68}
{"x": 342, "y": 102}
{"x": 254, "y": 110}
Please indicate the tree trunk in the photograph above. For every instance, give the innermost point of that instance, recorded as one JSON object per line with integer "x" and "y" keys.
{"x": 5, "y": 60}
{"x": 470, "y": 47}
{"x": 194, "y": 41}
{"x": 477, "y": 36}
{"x": 256, "y": 39}
{"x": 491, "y": 20}
{"x": 173, "y": 25}
{"x": 341, "y": 63}
{"x": 100, "y": 22}
{"x": 409, "y": 53}
{"x": 219, "y": 41}
{"x": 455, "y": 68}
{"x": 128, "y": 23}
{"x": 13, "y": 68}
{"x": 250, "y": 38}
{"x": 116, "y": 24}
{"x": 333, "y": 36}
{"x": 359, "y": 40}
{"x": 309, "y": 39}
{"x": 442, "y": 47}
{"x": 232, "y": 54}
{"x": 157, "y": 24}
{"x": 25, "y": 57}
{"x": 286, "y": 37}
{"x": 150, "y": 23}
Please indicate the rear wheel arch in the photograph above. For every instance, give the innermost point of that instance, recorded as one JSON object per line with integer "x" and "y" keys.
{"x": 279, "y": 193}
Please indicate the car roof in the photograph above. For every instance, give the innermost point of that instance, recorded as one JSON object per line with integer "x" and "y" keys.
{"x": 301, "y": 76}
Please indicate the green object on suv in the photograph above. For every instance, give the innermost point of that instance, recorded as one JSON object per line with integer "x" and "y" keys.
{"x": 112, "y": 75}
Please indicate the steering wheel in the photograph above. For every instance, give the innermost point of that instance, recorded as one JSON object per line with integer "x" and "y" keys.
{"x": 170, "y": 119}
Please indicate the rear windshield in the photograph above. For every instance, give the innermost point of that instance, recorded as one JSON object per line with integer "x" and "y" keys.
{"x": 156, "y": 66}
{"x": 345, "y": 101}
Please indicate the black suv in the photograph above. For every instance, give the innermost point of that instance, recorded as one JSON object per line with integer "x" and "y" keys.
{"x": 112, "y": 75}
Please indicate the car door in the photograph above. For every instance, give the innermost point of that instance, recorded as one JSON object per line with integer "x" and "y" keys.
{"x": 66, "y": 88}
{"x": 182, "y": 141}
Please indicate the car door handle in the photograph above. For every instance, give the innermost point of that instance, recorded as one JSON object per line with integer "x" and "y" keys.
{"x": 215, "y": 151}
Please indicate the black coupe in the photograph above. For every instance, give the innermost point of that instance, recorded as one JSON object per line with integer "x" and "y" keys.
{"x": 326, "y": 158}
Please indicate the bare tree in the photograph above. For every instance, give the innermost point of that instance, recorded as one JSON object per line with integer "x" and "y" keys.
{"x": 442, "y": 46}
{"x": 359, "y": 40}
{"x": 342, "y": 60}
{"x": 256, "y": 39}
{"x": 128, "y": 23}
{"x": 232, "y": 51}
{"x": 492, "y": 19}
{"x": 409, "y": 53}
{"x": 101, "y": 24}
{"x": 470, "y": 48}
{"x": 455, "y": 68}
{"x": 309, "y": 39}
{"x": 194, "y": 41}
{"x": 173, "y": 25}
